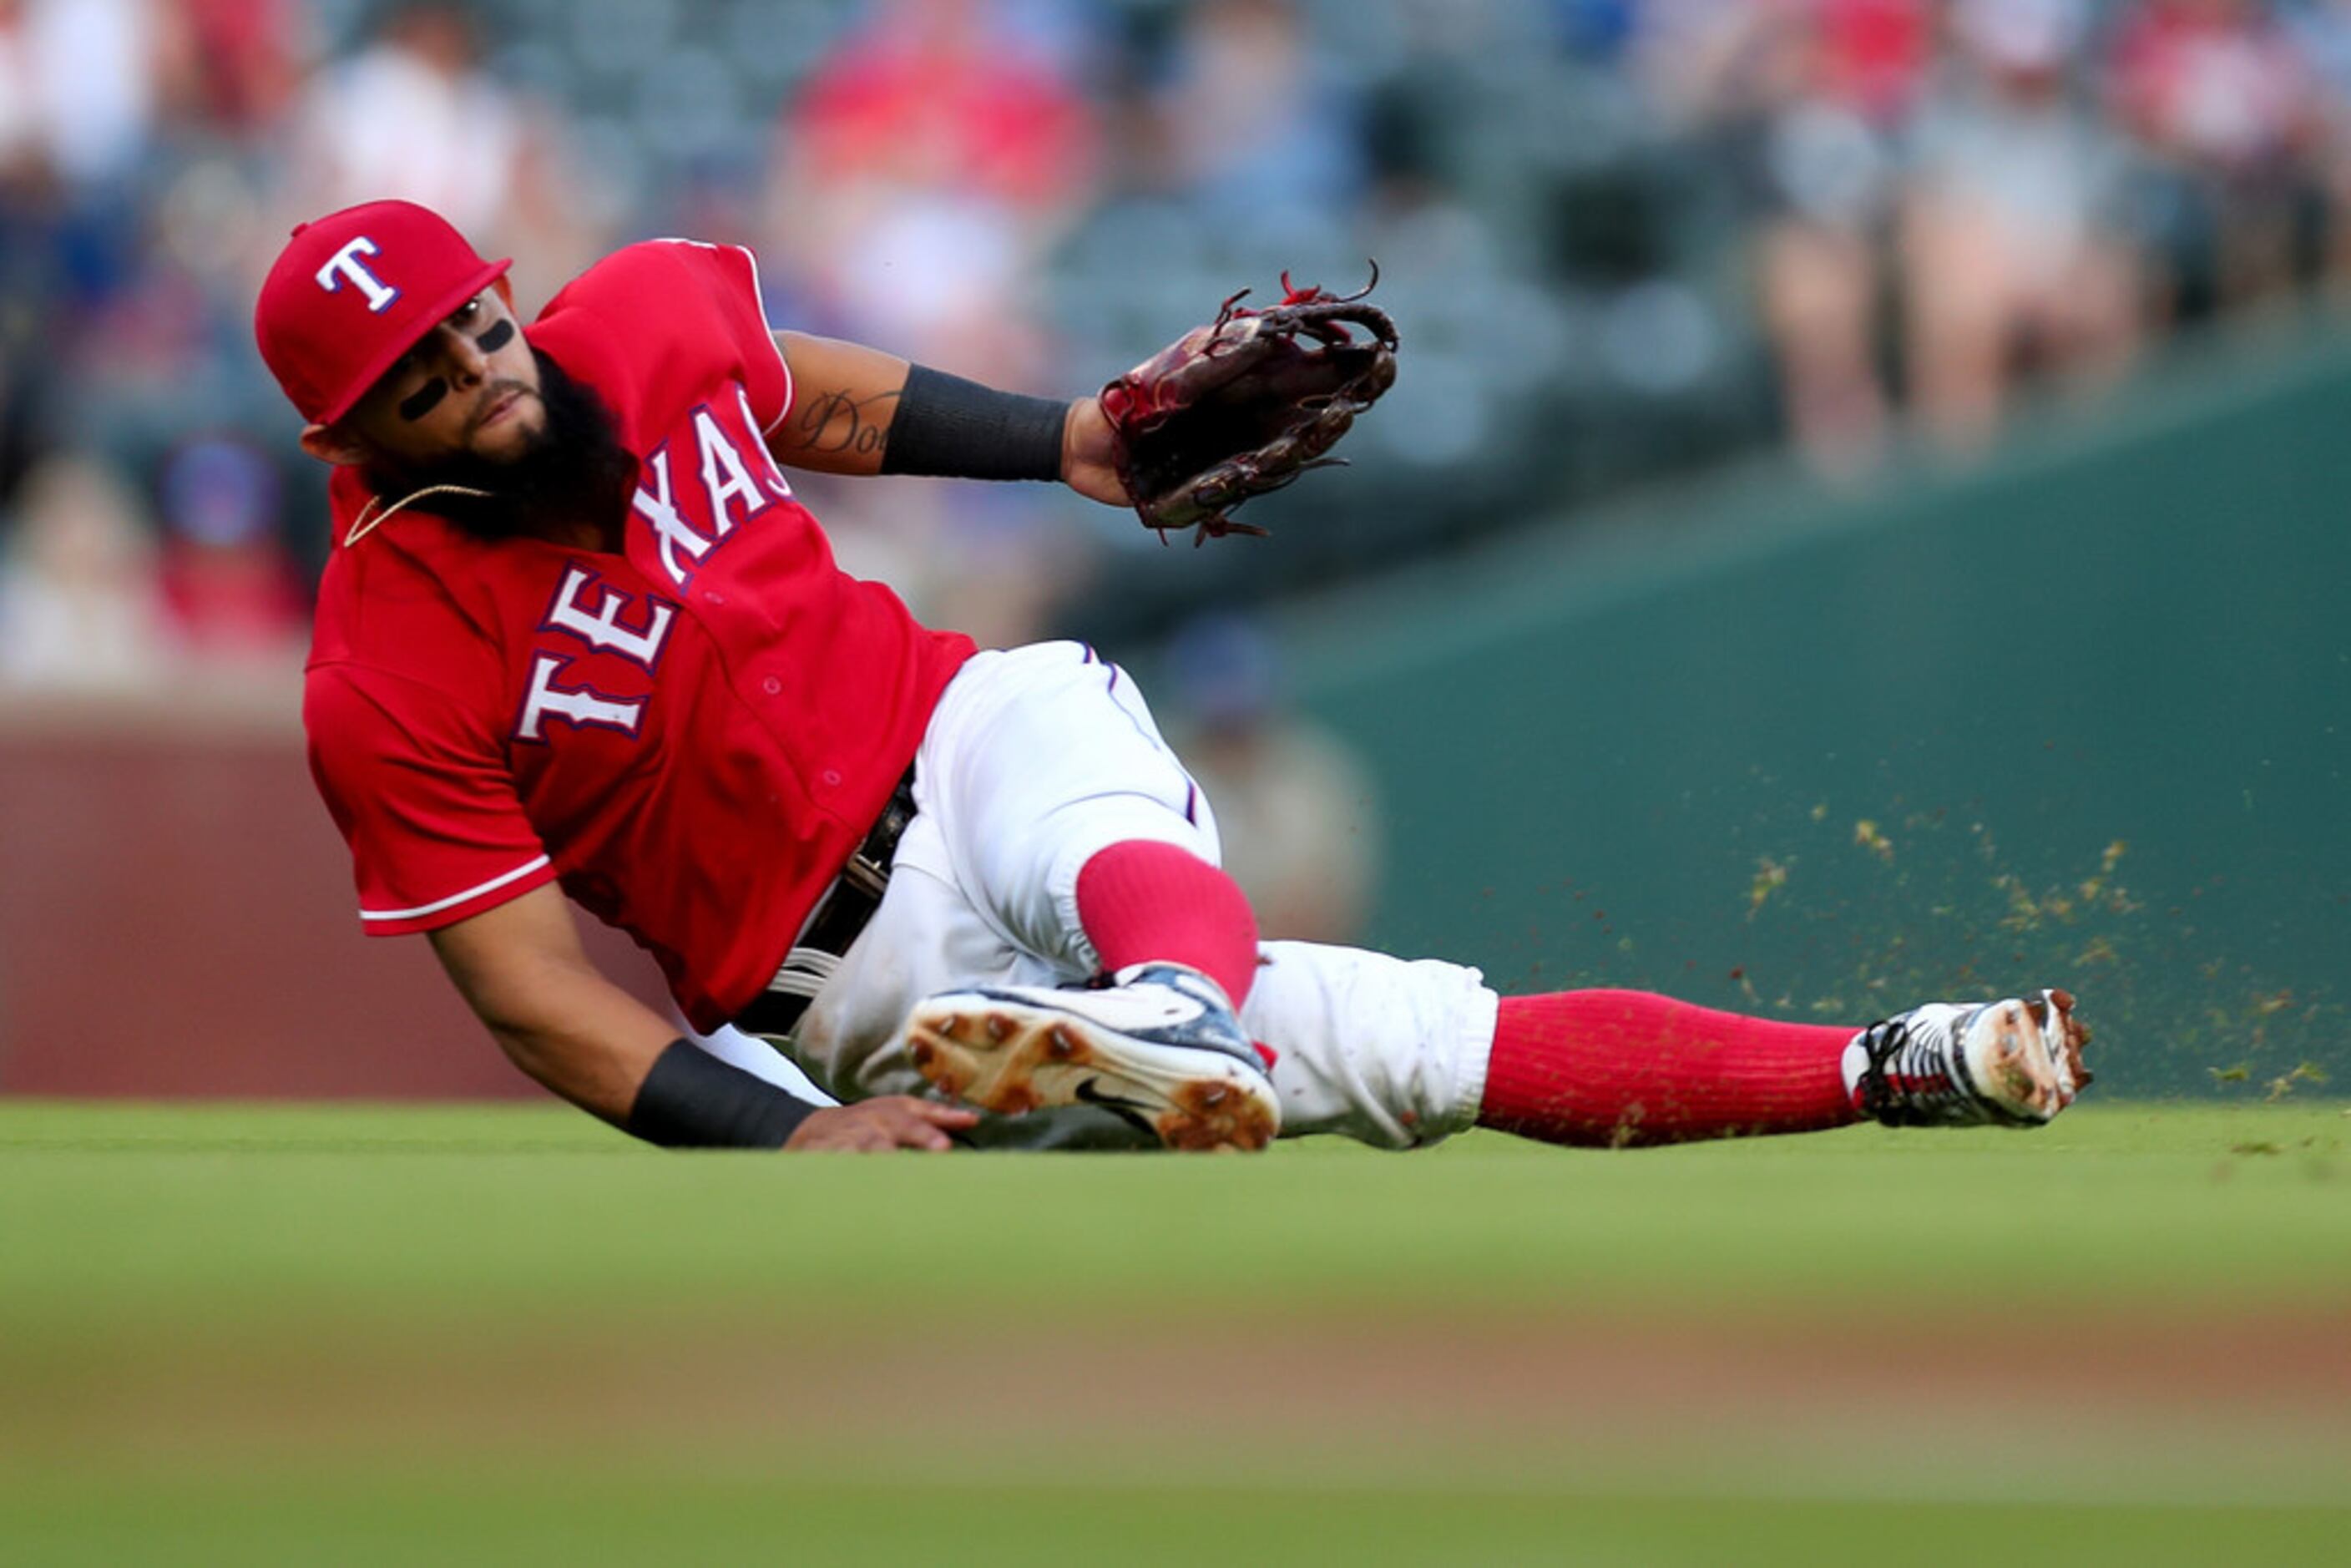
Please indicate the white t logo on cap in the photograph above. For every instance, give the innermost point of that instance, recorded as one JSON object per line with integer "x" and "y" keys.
{"x": 347, "y": 264}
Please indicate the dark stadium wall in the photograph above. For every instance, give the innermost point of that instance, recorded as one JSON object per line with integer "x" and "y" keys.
{"x": 2080, "y": 716}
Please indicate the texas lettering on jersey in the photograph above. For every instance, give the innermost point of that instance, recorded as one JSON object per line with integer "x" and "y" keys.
{"x": 546, "y": 700}
{"x": 731, "y": 495}
{"x": 593, "y": 612}
{"x": 691, "y": 734}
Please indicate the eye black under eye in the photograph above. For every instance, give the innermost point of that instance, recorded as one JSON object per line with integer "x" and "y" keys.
{"x": 497, "y": 337}
{"x": 424, "y": 400}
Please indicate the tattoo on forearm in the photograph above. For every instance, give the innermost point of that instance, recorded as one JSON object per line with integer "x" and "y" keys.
{"x": 836, "y": 422}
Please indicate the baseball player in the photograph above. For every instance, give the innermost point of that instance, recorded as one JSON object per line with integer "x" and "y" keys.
{"x": 577, "y": 636}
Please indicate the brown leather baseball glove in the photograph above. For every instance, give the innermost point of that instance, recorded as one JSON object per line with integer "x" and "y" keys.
{"x": 1246, "y": 404}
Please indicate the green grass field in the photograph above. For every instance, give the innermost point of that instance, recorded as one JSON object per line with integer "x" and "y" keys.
{"x": 261, "y": 1335}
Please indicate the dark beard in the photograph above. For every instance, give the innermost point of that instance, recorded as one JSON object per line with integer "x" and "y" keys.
{"x": 575, "y": 471}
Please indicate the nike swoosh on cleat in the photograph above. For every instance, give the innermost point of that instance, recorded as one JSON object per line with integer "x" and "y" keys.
{"x": 1132, "y": 1111}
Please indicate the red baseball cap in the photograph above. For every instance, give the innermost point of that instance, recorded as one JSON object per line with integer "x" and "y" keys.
{"x": 355, "y": 290}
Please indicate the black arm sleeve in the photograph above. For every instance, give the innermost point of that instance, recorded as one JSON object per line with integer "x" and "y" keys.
{"x": 957, "y": 429}
{"x": 691, "y": 1100}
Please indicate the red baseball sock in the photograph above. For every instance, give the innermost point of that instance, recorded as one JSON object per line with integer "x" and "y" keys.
{"x": 1619, "y": 1067}
{"x": 1145, "y": 902}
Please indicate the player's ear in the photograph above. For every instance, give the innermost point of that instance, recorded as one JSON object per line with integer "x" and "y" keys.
{"x": 505, "y": 285}
{"x": 333, "y": 443}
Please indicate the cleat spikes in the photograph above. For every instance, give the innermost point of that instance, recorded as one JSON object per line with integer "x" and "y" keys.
{"x": 1159, "y": 1047}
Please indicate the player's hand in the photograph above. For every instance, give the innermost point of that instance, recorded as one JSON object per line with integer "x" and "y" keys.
{"x": 1086, "y": 455}
{"x": 892, "y": 1121}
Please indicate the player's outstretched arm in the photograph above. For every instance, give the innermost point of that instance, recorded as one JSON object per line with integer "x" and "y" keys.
{"x": 521, "y": 967}
{"x": 860, "y": 410}
{"x": 845, "y": 401}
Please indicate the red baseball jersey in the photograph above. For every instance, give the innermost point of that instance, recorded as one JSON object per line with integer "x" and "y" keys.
{"x": 691, "y": 735}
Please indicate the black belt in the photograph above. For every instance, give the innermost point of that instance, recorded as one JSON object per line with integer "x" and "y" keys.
{"x": 839, "y": 915}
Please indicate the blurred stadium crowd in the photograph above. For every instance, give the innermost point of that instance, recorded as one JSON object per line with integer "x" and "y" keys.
{"x": 1622, "y": 237}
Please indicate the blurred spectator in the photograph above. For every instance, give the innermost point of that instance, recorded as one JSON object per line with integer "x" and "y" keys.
{"x": 2218, "y": 93}
{"x": 411, "y": 116}
{"x": 232, "y": 66}
{"x": 922, "y": 175}
{"x": 1295, "y": 809}
{"x": 77, "y": 105}
{"x": 2321, "y": 35}
{"x": 1805, "y": 98}
{"x": 228, "y": 586}
{"x": 414, "y": 116}
{"x": 2012, "y": 239}
{"x": 81, "y": 79}
{"x": 1252, "y": 125}
{"x": 79, "y": 608}
{"x": 924, "y": 171}
{"x": 24, "y": 364}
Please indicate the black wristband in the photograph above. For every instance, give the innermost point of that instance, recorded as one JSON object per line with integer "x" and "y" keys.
{"x": 957, "y": 429}
{"x": 691, "y": 1100}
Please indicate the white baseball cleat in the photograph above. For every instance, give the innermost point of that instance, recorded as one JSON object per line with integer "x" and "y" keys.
{"x": 1953, "y": 1064}
{"x": 1160, "y": 1047}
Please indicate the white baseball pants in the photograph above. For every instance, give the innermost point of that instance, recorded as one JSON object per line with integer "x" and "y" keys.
{"x": 1037, "y": 758}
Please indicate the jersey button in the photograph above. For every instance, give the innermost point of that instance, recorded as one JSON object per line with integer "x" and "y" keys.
{"x": 832, "y": 778}
{"x": 771, "y": 685}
